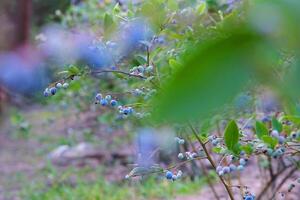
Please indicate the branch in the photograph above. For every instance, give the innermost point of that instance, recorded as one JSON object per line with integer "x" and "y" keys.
{"x": 283, "y": 181}
{"x": 211, "y": 161}
{"x": 119, "y": 72}
{"x": 263, "y": 191}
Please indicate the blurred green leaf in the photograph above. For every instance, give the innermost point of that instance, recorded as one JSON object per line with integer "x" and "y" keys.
{"x": 247, "y": 148}
{"x": 261, "y": 129}
{"x": 212, "y": 74}
{"x": 270, "y": 141}
{"x": 73, "y": 70}
{"x": 276, "y": 124}
{"x": 231, "y": 136}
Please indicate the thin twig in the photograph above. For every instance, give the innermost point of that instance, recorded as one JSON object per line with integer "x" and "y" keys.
{"x": 211, "y": 161}
{"x": 292, "y": 171}
{"x": 119, "y": 72}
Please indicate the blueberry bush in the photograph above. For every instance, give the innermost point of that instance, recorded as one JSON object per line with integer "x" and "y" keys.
{"x": 221, "y": 75}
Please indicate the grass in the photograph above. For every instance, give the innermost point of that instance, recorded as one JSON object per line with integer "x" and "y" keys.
{"x": 103, "y": 190}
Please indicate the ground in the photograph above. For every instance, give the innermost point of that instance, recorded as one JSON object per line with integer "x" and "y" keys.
{"x": 26, "y": 170}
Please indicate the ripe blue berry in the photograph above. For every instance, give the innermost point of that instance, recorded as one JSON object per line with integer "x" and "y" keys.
{"x": 141, "y": 69}
{"x": 169, "y": 175}
{"x": 98, "y": 97}
{"x": 53, "y": 90}
{"x": 232, "y": 167}
{"x": 215, "y": 142}
{"x": 103, "y": 102}
{"x": 219, "y": 168}
{"x": 46, "y": 93}
{"x": 113, "y": 103}
{"x": 249, "y": 197}
{"x": 294, "y": 135}
{"x": 221, "y": 173}
{"x": 226, "y": 170}
{"x": 281, "y": 139}
{"x": 274, "y": 133}
{"x": 240, "y": 168}
{"x": 242, "y": 161}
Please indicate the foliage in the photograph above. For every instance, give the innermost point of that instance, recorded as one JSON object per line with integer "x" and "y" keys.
{"x": 196, "y": 58}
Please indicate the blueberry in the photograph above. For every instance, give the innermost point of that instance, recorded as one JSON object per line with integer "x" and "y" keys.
{"x": 125, "y": 111}
{"x": 98, "y": 97}
{"x": 215, "y": 142}
{"x": 269, "y": 152}
{"x": 59, "y": 85}
{"x": 113, "y": 103}
{"x": 240, "y": 168}
{"x": 249, "y": 197}
{"x": 46, "y": 93}
{"x": 242, "y": 161}
{"x": 53, "y": 90}
{"x": 103, "y": 102}
{"x": 281, "y": 139}
{"x": 141, "y": 69}
{"x": 179, "y": 174}
{"x": 108, "y": 97}
{"x": 130, "y": 110}
{"x": 294, "y": 135}
{"x": 226, "y": 170}
{"x": 181, "y": 141}
{"x": 169, "y": 175}
{"x": 221, "y": 173}
{"x": 219, "y": 168}
{"x": 232, "y": 167}
{"x": 274, "y": 133}
{"x": 180, "y": 156}
{"x": 174, "y": 177}
{"x": 149, "y": 68}
{"x": 65, "y": 85}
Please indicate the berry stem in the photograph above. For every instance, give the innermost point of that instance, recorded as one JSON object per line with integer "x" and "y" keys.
{"x": 211, "y": 160}
{"x": 119, "y": 72}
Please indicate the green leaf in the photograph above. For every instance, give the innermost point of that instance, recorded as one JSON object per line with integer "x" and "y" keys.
{"x": 140, "y": 59}
{"x": 231, "y": 135}
{"x": 109, "y": 24}
{"x": 211, "y": 75}
{"x": 201, "y": 8}
{"x": 73, "y": 70}
{"x": 216, "y": 149}
{"x": 272, "y": 142}
{"x": 247, "y": 148}
{"x": 276, "y": 125}
{"x": 108, "y": 21}
{"x": 261, "y": 129}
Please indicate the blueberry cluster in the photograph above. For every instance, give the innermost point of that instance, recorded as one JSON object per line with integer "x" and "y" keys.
{"x": 281, "y": 139}
{"x": 275, "y": 153}
{"x": 125, "y": 111}
{"x": 170, "y": 176}
{"x": 222, "y": 170}
{"x": 141, "y": 70}
{"x": 214, "y": 140}
{"x": 52, "y": 91}
{"x": 105, "y": 101}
